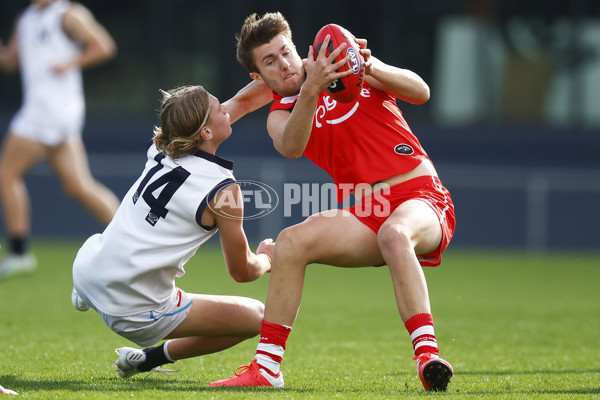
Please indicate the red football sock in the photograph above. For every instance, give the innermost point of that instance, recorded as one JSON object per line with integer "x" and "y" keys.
{"x": 270, "y": 349}
{"x": 420, "y": 328}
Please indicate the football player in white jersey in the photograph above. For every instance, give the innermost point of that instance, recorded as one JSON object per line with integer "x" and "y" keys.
{"x": 184, "y": 195}
{"x": 51, "y": 42}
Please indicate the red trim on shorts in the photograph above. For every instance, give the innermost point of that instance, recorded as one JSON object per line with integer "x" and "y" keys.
{"x": 374, "y": 210}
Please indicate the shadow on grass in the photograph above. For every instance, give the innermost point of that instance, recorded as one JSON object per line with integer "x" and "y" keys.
{"x": 38, "y": 384}
{"x": 156, "y": 385}
{"x": 113, "y": 384}
{"x": 98, "y": 384}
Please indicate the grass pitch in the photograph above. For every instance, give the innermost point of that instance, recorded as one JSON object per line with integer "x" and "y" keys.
{"x": 514, "y": 325}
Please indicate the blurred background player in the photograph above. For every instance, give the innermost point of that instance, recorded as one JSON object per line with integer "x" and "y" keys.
{"x": 52, "y": 41}
{"x": 364, "y": 144}
{"x": 184, "y": 195}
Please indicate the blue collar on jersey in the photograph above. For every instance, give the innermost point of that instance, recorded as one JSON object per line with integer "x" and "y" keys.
{"x": 207, "y": 156}
{"x": 215, "y": 159}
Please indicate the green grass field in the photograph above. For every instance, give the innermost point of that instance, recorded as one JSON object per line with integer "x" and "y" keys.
{"x": 514, "y": 325}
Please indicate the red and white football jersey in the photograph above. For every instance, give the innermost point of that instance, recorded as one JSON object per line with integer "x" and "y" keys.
{"x": 360, "y": 142}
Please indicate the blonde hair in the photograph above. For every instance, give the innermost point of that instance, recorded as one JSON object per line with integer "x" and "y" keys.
{"x": 184, "y": 112}
{"x": 258, "y": 31}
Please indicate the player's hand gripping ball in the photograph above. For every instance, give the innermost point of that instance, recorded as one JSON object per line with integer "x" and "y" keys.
{"x": 346, "y": 89}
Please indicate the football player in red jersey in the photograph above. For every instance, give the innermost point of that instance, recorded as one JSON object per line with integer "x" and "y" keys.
{"x": 404, "y": 216}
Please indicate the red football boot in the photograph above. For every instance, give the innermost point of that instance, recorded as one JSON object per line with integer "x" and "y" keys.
{"x": 435, "y": 373}
{"x": 250, "y": 375}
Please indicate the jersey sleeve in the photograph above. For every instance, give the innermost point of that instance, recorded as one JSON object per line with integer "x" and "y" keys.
{"x": 287, "y": 103}
{"x": 283, "y": 103}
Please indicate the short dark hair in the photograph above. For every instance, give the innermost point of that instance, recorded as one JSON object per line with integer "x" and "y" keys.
{"x": 258, "y": 31}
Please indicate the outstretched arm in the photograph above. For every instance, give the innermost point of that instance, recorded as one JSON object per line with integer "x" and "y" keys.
{"x": 250, "y": 98}
{"x": 226, "y": 210}
{"x": 401, "y": 83}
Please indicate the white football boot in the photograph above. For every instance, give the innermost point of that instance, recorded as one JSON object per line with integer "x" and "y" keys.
{"x": 77, "y": 302}
{"x": 129, "y": 360}
{"x": 16, "y": 264}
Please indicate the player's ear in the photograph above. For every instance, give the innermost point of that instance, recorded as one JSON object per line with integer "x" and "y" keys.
{"x": 256, "y": 76}
{"x": 205, "y": 133}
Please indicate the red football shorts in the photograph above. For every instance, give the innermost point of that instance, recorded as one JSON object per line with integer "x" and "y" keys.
{"x": 426, "y": 188}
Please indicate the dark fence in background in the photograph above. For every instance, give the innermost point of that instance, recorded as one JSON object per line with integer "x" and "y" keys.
{"x": 487, "y": 61}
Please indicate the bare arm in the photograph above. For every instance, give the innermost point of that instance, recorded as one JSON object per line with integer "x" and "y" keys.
{"x": 401, "y": 83}
{"x": 290, "y": 131}
{"x": 98, "y": 46}
{"x": 9, "y": 53}
{"x": 250, "y": 98}
{"x": 227, "y": 212}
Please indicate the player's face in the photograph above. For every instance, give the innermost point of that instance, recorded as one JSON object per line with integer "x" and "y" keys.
{"x": 279, "y": 66}
{"x": 218, "y": 120}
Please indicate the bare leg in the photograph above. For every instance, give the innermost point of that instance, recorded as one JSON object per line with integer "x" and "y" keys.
{"x": 413, "y": 228}
{"x": 338, "y": 238}
{"x": 215, "y": 323}
{"x": 333, "y": 237}
{"x": 69, "y": 161}
{"x": 19, "y": 155}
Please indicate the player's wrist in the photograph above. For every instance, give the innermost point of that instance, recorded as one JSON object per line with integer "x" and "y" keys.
{"x": 266, "y": 256}
{"x": 265, "y": 261}
{"x": 309, "y": 90}
{"x": 374, "y": 69}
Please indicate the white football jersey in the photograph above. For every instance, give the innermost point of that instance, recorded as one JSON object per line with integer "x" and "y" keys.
{"x": 131, "y": 267}
{"x": 43, "y": 44}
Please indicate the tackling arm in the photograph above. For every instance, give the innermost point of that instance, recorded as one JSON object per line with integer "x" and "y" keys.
{"x": 250, "y": 98}
{"x": 227, "y": 212}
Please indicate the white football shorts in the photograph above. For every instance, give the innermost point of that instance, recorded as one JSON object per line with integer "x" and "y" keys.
{"x": 46, "y": 130}
{"x": 149, "y": 328}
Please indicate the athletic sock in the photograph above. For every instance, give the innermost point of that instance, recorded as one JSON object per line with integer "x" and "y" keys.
{"x": 166, "y": 350}
{"x": 270, "y": 349}
{"x": 420, "y": 328}
{"x": 18, "y": 245}
{"x": 155, "y": 357}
